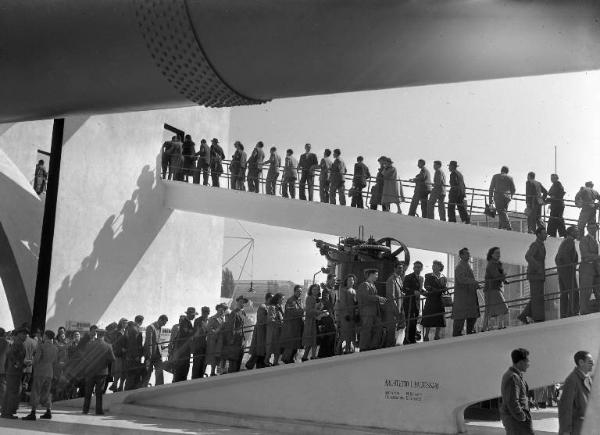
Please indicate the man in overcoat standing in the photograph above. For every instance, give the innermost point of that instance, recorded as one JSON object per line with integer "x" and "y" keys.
{"x": 536, "y": 274}
{"x": 575, "y": 395}
{"x": 514, "y": 409}
{"x": 466, "y": 303}
{"x": 97, "y": 356}
{"x": 392, "y": 310}
{"x": 307, "y": 164}
{"x": 369, "y": 304}
{"x": 566, "y": 265}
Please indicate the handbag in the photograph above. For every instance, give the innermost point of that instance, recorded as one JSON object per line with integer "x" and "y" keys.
{"x": 490, "y": 210}
{"x": 447, "y": 301}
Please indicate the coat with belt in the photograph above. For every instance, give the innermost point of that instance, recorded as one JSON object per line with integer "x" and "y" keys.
{"x": 368, "y": 300}
{"x": 536, "y": 261}
{"x": 393, "y": 293}
{"x": 573, "y": 402}
{"x": 466, "y": 303}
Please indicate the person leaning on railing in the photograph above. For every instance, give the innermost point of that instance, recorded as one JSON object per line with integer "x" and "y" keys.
{"x": 422, "y": 188}
{"x": 274, "y": 163}
{"x": 566, "y": 260}
{"x": 216, "y": 161}
{"x": 203, "y": 163}
{"x": 337, "y": 174}
{"x": 587, "y": 199}
{"x": 359, "y": 182}
{"x": 255, "y": 163}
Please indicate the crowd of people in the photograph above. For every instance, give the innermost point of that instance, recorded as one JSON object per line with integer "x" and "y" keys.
{"x": 339, "y": 316}
{"x": 181, "y": 161}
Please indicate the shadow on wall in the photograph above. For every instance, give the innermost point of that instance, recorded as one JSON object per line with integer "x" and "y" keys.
{"x": 21, "y": 222}
{"x": 117, "y": 250}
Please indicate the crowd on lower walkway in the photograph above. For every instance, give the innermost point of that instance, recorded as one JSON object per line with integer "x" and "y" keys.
{"x": 181, "y": 161}
{"x": 336, "y": 317}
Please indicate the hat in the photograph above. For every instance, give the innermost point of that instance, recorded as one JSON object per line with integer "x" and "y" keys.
{"x": 381, "y": 159}
{"x": 370, "y": 270}
{"x": 205, "y": 310}
{"x": 453, "y": 163}
{"x": 243, "y": 298}
{"x": 214, "y": 139}
{"x": 191, "y": 310}
{"x": 221, "y": 305}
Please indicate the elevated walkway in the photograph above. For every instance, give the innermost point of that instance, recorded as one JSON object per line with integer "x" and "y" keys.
{"x": 428, "y": 234}
{"x": 412, "y": 389}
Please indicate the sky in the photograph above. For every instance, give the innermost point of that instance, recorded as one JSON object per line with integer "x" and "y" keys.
{"x": 483, "y": 125}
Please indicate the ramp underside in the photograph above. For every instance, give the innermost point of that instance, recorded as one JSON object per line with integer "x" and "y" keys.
{"x": 336, "y": 220}
{"x": 418, "y": 388}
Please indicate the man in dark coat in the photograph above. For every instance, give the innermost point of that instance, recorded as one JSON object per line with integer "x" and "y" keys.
{"x": 259, "y": 336}
{"x": 466, "y": 304}
{"x": 324, "y": 168}
{"x": 133, "y": 354}
{"x": 359, "y": 182}
{"x": 456, "y": 197}
{"x": 413, "y": 286}
{"x": 370, "y": 307}
{"x": 203, "y": 164}
{"x": 536, "y": 274}
{"x": 575, "y": 395}
{"x": 535, "y": 197}
{"x": 255, "y": 163}
{"x": 182, "y": 349}
{"x": 199, "y": 343}
{"x": 514, "y": 409}
{"x": 307, "y": 164}
{"x": 556, "y": 223}
{"x": 234, "y": 337}
{"x": 293, "y": 325}
{"x": 216, "y": 161}
{"x": 98, "y": 354}
{"x": 566, "y": 265}
{"x": 15, "y": 363}
{"x": 188, "y": 149}
{"x": 422, "y": 188}
{"x": 337, "y": 175}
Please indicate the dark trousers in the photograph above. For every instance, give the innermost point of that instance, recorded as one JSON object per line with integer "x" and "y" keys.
{"x": 337, "y": 188}
{"x": 436, "y": 198}
{"x": 389, "y": 326}
{"x": 515, "y": 427}
{"x": 214, "y": 175}
{"x": 2, "y": 387}
{"x": 182, "y": 367}
{"x": 307, "y": 178}
{"x": 534, "y": 218}
{"x": 12, "y": 396}
{"x": 456, "y": 201}
{"x": 410, "y": 336}
{"x": 569, "y": 293}
{"x": 324, "y": 190}
{"x": 156, "y": 366}
{"x": 556, "y": 223}
{"x": 288, "y": 184}
{"x": 370, "y": 333}
{"x": 134, "y": 373}
{"x": 357, "y": 199}
{"x": 253, "y": 180}
{"x": 502, "y": 201}
{"x": 201, "y": 169}
{"x": 458, "y": 324}
{"x": 199, "y": 365}
{"x": 94, "y": 383}
{"x": 535, "y": 308}
{"x": 419, "y": 198}
{"x": 164, "y": 166}
{"x": 272, "y": 183}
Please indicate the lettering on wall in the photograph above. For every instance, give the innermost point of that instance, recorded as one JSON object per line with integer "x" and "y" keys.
{"x": 409, "y": 390}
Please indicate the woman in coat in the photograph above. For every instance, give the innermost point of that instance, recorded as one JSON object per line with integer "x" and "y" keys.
{"x": 495, "y": 306}
{"x": 346, "y": 314}
{"x": 433, "y": 311}
{"x": 390, "y": 194}
{"x": 214, "y": 339}
{"x": 274, "y": 326}
{"x": 377, "y": 189}
{"x": 313, "y": 310}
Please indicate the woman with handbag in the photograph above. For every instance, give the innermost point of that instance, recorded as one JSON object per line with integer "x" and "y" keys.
{"x": 434, "y": 310}
{"x": 495, "y": 306}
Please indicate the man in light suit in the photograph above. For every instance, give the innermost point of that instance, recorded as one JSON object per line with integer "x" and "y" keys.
{"x": 306, "y": 166}
{"x": 290, "y": 175}
{"x": 514, "y": 409}
{"x": 255, "y": 163}
{"x": 575, "y": 395}
{"x": 392, "y": 309}
{"x": 502, "y": 189}
{"x": 566, "y": 265}
{"x": 536, "y": 274}
{"x": 369, "y": 304}
{"x": 44, "y": 359}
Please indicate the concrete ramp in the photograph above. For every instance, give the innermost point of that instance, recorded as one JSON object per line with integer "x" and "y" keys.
{"x": 422, "y": 388}
{"x": 428, "y": 234}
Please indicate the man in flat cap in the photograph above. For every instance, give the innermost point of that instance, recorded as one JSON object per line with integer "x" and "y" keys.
{"x": 182, "y": 349}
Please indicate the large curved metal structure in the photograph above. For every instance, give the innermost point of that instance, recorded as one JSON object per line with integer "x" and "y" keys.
{"x": 69, "y": 57}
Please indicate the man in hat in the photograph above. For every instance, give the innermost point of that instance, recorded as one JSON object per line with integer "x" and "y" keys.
{"x": 456, "y": 198}
{"x": 422, "y": 188}
{"x": 370, "y": 308}
{"x": 502, "y": 189}
{"x": 307, "y": 164}
{"x": 337, "y": 174}
{"x": 438, "y": 192}
{"x": 152, "y": 351}
{"x": 566, "y": 265}
{"x": 199, "y": 343}
{"x": 15, "y": 363}
{"x": 234, "y": 337}
{"x": 589, "y": 269}
{"x": 182, "y": 349}
{"x": 324, "y": 168}
{"x": 575, "y": 395}
{"x": 203, "y": 164}
{"x": 586, "y": 199}
{"x": 216, "y": 161}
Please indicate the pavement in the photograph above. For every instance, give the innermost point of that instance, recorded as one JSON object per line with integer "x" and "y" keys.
{"x": 70, "y": 421}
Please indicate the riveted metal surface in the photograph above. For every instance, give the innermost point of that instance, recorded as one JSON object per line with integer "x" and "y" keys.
{"x": 172, "y": 43}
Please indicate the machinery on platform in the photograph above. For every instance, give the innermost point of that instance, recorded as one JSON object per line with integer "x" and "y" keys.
{"x": 352, "y": 255}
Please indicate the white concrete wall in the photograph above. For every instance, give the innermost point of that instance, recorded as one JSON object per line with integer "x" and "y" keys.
{"x": 117, "y": 250}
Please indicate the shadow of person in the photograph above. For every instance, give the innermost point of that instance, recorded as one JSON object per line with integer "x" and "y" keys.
{"x": 117, "y": 249}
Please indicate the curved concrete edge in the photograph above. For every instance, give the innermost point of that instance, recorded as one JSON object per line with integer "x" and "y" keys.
{"x": 416, "y": 389}
{"x": 428, "y": 234}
